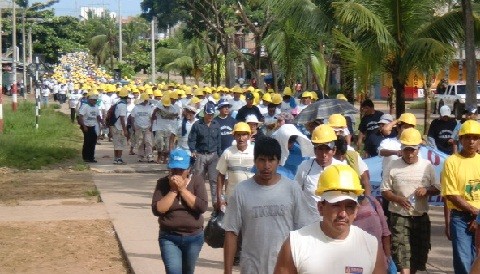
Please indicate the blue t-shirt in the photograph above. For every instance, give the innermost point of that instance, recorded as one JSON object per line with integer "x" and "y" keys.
{"x": 294, "y": 159}
{"x": 226, "y": 131}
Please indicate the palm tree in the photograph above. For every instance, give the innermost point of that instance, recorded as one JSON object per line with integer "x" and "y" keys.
{"x": 104, "y": 46}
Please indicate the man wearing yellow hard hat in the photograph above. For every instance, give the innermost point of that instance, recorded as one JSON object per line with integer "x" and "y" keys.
{"x": 460, "y": 179}
{"x": 333, "y": 245}
{"x": 407, "y": 183}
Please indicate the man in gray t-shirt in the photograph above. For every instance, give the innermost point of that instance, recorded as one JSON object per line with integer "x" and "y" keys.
{"x": 265, "y": 209}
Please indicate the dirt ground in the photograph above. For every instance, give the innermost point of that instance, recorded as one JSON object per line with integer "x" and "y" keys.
{"x": 73, "y": 246}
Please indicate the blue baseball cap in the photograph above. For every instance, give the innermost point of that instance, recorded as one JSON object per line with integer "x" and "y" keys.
{"x": 179, "y": 158}
{"x": 209, "y": 108}
{"x": 222, "y": 103}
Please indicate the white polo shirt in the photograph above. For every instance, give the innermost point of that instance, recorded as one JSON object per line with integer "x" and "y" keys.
{"x": 236, "y": 165}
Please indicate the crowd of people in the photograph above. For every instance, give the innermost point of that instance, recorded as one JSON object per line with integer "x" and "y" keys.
{"x": 296, "y": 198}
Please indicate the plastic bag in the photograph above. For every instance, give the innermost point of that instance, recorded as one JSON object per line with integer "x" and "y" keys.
{"x": 392, "y": 268}
{"x": 214, "y": 232}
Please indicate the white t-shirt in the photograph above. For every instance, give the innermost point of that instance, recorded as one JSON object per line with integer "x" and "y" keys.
{"x": 265, "y": 215}
{"x": 314, "y": 252}
{"x": 403, "y": 179}
{"x": 73, "y": 100}
{"x": 142, "y": 115}
{"x": 89, "y": 114}
{"x": 236, "y": 165}
{"x": 236, "y": 105}
{"x": 120, "y": 110}
{"x": 183, "y": 140}
{"x": 307, "y": 176}
{"x": 167, "y": 118}
{"x": 389, "y": 144}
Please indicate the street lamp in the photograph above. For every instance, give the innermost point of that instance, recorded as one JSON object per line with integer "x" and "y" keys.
{"x": 120, "y": 38}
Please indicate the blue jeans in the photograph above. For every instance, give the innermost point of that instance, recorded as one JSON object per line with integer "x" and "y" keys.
{"x": 180, "y": 253}
{"x": 463, "y": 242}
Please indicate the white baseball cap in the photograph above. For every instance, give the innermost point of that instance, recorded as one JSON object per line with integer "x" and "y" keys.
{"x": 251, "y": 118}
{"x": 445, "y": 111}
{"x": 338, "y": 196}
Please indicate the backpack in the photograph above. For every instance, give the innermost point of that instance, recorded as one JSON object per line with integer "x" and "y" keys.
{"x": 111, "y": 118}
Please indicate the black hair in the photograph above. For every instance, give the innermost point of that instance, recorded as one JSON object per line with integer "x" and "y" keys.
{"x": 292, "y": 139}
{"x": 272, "y": 105}
{"x": 267, "y": 146}
{"x": 367, "y": 103}
{"x": 341, "y": 145}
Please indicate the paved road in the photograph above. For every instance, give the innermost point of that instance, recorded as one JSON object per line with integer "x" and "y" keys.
{"x": 127, "y": 190}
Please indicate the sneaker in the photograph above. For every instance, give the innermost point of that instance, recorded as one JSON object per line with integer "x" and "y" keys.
{"x": 142, "y": 159}
{"x": 115, "y": 162}
{"x": 121, "y": 162}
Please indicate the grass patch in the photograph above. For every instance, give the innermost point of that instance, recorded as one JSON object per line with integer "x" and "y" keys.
{"x": 24, "y": 147}
{"x": 420, "y": 104}
{"x": 92, "y": 193}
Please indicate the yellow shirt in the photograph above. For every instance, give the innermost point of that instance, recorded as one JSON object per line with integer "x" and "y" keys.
{"x": 461, "y": 176}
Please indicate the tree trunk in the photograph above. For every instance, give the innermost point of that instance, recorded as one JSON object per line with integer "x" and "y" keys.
{"x": 218, "y": 73}
{"x": 400, "y": 96}
{"x": 470, "y": 59}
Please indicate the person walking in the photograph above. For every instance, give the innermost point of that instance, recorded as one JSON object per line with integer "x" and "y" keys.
{"x": 227, "y": 122}
{"x": 89, "y": 116}
{"x": 459, "y": 180}
{"x": 406, "y": 184}
{"x": 367, "y": 128}
{"x": 441, "y": 131}
{"x": 141, "y": 117}
{"x": 204, "y": 142}
{"x": 333, "y": 245}
{"x": 119, "y": 129}
{"x": 264, "y": 209}
{"x": 179, "y": 201}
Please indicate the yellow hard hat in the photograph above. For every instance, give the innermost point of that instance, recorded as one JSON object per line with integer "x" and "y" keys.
{"x": 340, "y": 96}
{"x": 241, "y": 127}
{"x": 314, "y": 96}
{"x": 339, "y": 178}
{"x": 195, "y": 100}
{"x": 306, "y": 94}
{"x": 199, "y": 92}
{"x": 408, "y": 118}
{"x": 323, "y": 134}
{"x": 123, "y": 92}
{"x": 237, "y": 89}
{"x": 337, "y": 120}
{"x": 411, "y": 137}
{"x": 173, "y": 94}
{"x": 157, "y": 93}
{"x": 270, "y": 90}
{"x": 277, "y": 99}
{"x": 149, "y": 91}
{"x": 287, "y": 91}
{"x": 144, "y": 96}
{"x": 250, "y": 88}
{"x": 256, "y": 98}
{"x": 208, "y": 90}
{"x": 166, "y": 101}
{"x": 267, "y": 98}
{"x": 216, "y": 96}
{"x": 469, "y": 127}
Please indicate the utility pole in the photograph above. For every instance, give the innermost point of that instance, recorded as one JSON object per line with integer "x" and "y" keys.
{"x": 30, "y": 55}
{"x": 153, "y": 50}
{"x": 120, "y": 35}
{"x": 24, "y": 56}
{"x": 14, "y": 61}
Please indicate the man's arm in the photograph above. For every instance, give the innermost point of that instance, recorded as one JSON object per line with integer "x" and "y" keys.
{"x": 380, "y": 267}
{"x": 192, "y": 139}
{"x": 459, "y": 202}
{"x": 220, "y": 184}
{"x": 285, "y": 263}
{"x": 229, "y": 250}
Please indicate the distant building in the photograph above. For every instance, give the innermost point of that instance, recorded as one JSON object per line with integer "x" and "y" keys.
{"x": 91, "y": 12}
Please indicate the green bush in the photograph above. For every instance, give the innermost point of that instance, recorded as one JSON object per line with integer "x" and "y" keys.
{"x": 24, "y": 147}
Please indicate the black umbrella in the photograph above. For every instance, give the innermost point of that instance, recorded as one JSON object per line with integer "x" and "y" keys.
{"x": 323, "y": 109}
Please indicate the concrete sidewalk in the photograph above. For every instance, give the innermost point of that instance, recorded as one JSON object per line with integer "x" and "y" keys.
{"x": 127, "y": 191}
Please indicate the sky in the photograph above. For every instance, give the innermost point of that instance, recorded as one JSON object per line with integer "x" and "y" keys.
{"x": 72, "y": 7}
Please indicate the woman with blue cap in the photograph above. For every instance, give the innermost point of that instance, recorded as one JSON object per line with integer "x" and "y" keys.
{"x": 179, "y": 201}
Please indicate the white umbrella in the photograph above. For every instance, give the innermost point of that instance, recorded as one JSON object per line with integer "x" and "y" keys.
{"x": 283, "y": 134}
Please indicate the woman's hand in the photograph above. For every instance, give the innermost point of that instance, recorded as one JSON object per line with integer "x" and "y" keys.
{"x": 173, "y": 181}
